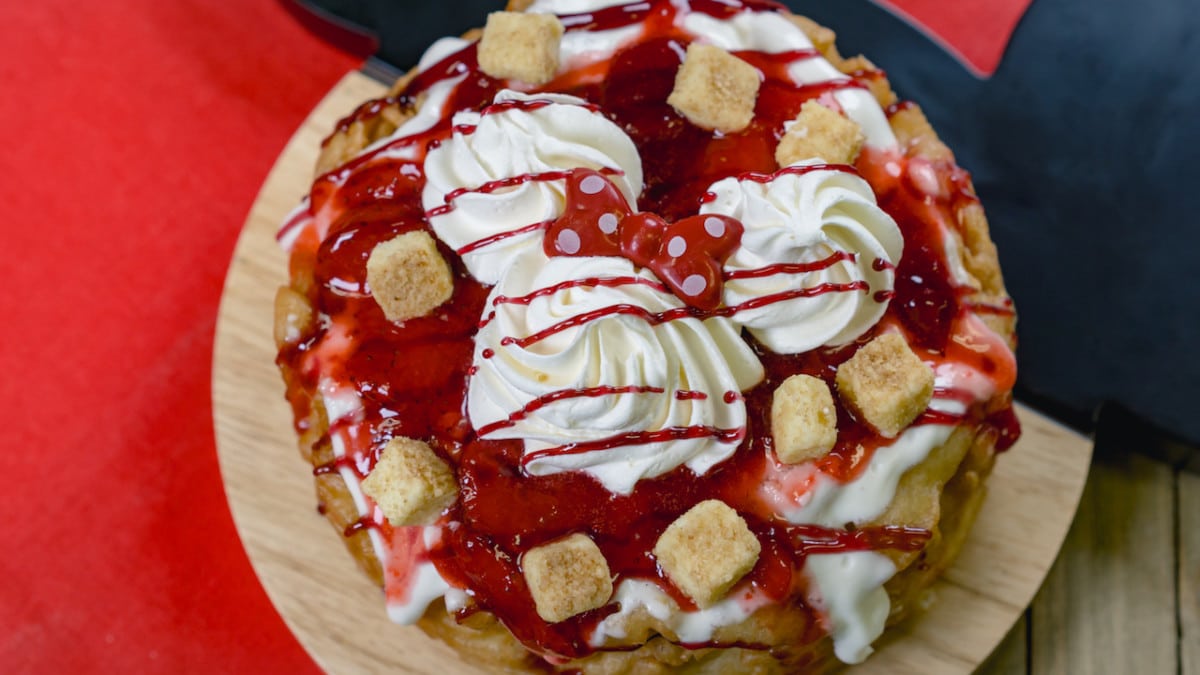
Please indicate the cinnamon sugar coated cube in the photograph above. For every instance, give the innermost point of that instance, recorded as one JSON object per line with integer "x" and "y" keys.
{"x": 567, "y": 577}
{"x": 520, "y": 46}
{"x": 410, "y": 483}
{"x": 820, "y": 133}
{"x": 408, "y": 276}
{"x": 715, "y": 89}
{"x": 885, "y": 384}
{"x": 803, "y": 419}
{"x": 707, "y": 550}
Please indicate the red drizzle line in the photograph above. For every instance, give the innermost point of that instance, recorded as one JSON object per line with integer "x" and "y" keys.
{"x": 815, "y": 89}
{"x": 501, "y": 183}
{"x": 562, "y": 395}
{"x": 360, "y": 525}
{"x": 359, "y": 464}
{"x": 677, "y": 313}
{"x": 791, "y": 268}
{"x": 609, "y": 282}
{"x": 794, "y": 55}
{"x": 628, "y": 14}
{"x": 820, "y": 289}
{"x": 526, "y": 106}
{"x": 605, "y": 282}
{"x": 689, "y": 395}
{"x": 366, "y": 111}
{"x": 638, "y": 438}
{"x": 764, "y": 178}
{"x": 494, "y": 185}
{"x": 948, "y": 394}
{"x": 301, "y": 217}
{"x": 814, "y": 539}
{"x": 937, "y": 417}
{"x": 462, "y": 62}
{"x": 607, "y": 18}
{"x": 649, "y": 317}
{"x": 500, "y": 236}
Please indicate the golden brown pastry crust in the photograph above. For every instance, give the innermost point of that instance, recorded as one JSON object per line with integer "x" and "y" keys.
{"x": 942, "y": 494}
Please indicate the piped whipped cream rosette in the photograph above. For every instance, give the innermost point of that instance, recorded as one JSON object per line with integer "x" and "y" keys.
{"x": 574, "y": 359}
{"x": 496, "y": 183}
{"x": 816, "y": 262}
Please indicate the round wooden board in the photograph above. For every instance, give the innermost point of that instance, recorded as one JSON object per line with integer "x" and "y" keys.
{"x": 338, "y": 615}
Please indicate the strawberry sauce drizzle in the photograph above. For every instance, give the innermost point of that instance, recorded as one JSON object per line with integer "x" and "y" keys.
{"x": 638, "y": 438}
{"x": 501, "y": 236}
{"x": 590, "y": 282}
{"x": 792, "y": 268}
{"x": 679, "y": 313}
{"x": 562, "y": 395}
{"x": 813, "y": 539}
{"x": 504, "y": 183}
{"x": 507, "y": 106}
{"x": 412, "y": 379}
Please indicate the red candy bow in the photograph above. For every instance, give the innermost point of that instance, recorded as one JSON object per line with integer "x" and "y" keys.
{"x": 686, "y": 255}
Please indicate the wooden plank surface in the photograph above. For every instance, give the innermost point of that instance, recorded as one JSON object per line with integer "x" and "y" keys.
{"x": 338, "y": 616}
{"x": 1012, "y": 656}
{"x": 1108, "y": 604}
{"x": 1188, "y": 496}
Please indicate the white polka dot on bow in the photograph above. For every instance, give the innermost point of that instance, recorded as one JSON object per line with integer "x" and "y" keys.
{"x": 693, "y": 285}
{"x": 568, "y": 242}
{"x": 715, "y": 227}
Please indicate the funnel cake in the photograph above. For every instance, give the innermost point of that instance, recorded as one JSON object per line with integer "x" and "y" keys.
{"x": 631, "y": 337}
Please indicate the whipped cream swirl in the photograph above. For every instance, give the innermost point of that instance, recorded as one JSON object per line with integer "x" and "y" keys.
{"x": 501, "y": 176}
{"x": 600, "y": 369}
{"x": 816, "y": 264}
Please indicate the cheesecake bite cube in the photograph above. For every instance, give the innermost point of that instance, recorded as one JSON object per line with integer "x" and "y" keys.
{"x": 885, "y": 384}
{"x": 715, "y": 89}
{"x": 567, "y": 577}
{"x": 803, "y": 419}
{"x": 707, "y": 550}
{"x": 820, "y": 133}
{"x": 410, "y": 483}
{"x": 521, "y": 46}
{"x": 408, "y": 277}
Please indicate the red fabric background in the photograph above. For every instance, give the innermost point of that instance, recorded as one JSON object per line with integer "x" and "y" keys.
{"x": 976, "y": 32}
{"x": 135, "y": 134}
{"x": 133, "y": 137}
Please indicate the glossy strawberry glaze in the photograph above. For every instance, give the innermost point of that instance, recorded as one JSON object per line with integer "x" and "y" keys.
{"x": 411, "y": 379}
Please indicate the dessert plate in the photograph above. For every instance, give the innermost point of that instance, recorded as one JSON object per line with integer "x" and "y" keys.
{"x": 338, "y": 615}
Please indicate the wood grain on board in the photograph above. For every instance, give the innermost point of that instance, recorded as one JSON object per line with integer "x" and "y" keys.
{"x": 1107, "y": 604}
{"x": 338, "y": 615}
